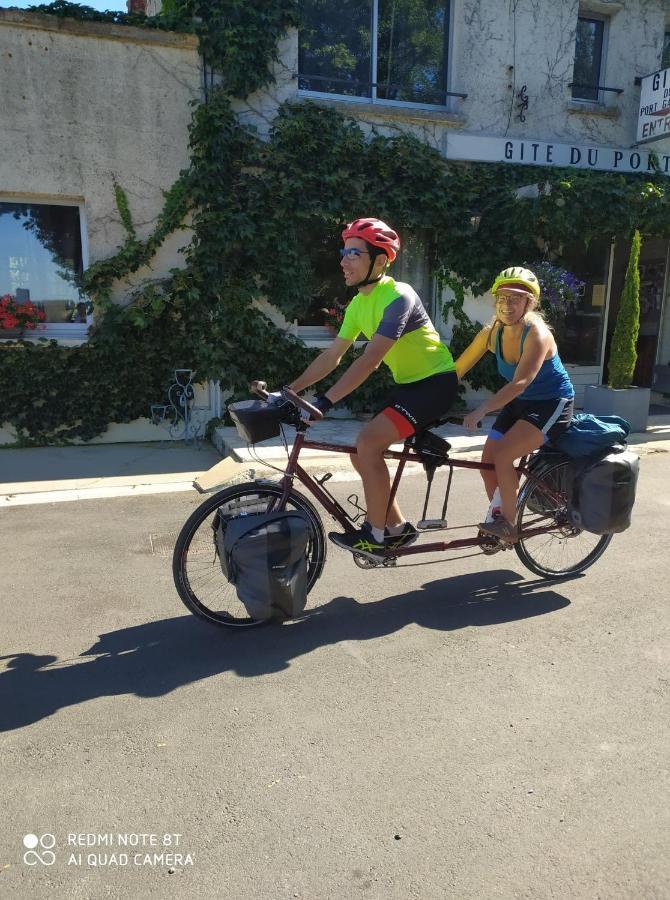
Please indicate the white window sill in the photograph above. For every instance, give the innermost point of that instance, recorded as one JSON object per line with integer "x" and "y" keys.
{"x": 357, "y": 106}
{"x": 319, "y": 338}
{"x": 589, "y": 108}
{"x": 72, "y": 335}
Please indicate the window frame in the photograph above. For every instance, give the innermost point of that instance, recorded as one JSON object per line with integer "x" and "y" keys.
{"x": 589, "y": 16}
{"x": 373, "y": 99}
{"x": 74, "y": 332}
{"x": 665, "y": 62}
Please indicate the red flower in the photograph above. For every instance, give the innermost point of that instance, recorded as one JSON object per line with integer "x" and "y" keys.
{"x": 22, "y": 316}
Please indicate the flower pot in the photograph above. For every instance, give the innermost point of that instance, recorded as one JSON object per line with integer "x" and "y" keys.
{"x": 632, "y": 403}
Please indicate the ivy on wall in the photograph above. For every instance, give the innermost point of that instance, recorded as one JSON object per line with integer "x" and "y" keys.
{"x": 260, "y": 212}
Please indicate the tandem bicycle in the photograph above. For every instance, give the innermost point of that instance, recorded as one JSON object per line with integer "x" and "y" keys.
{"x": 550, "y": 544}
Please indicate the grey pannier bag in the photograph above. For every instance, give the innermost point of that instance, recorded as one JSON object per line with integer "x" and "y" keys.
{"x": 604, "y": 492}
{"x": 265, "y": 557}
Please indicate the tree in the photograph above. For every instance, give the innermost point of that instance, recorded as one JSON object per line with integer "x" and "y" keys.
{"x": 623, "y": 353}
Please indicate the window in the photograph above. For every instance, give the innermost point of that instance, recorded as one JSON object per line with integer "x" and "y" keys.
{"x": 665, "y": 58}
{"x": 40, "y": 260}
{"x": 588, "y": 58}
{"x": 320, "y": 321}
{"x": 388, "y": 50}
{"x": 580, "y": 334}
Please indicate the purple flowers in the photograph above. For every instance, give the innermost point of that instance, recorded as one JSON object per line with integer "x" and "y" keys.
{"x": 561, "y": 289}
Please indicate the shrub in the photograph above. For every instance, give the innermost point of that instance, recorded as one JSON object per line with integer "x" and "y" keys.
{"x": 623, "y": 353}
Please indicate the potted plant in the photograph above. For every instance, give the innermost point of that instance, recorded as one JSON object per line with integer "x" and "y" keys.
{"x": 19, "y": 316}
{"x": 619, "y": 396}
{"x": 333, "y": 318}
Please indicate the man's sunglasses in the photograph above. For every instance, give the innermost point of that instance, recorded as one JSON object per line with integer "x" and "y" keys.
{"x": 352, "y": 252}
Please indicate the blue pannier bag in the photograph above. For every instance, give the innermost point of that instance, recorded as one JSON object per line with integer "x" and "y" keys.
{"x": 589, "y": 435}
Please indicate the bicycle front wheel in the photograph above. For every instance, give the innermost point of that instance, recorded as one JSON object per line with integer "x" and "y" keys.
{"x": 564, "y": 549}
{"x": 196, "y": 568}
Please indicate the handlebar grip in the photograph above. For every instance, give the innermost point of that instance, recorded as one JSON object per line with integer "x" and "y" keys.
{"x": 260, "y": 389}
{"x": 314, "y": 413}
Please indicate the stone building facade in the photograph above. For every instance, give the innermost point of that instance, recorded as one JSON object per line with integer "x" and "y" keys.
{"x": 90, "y": 105}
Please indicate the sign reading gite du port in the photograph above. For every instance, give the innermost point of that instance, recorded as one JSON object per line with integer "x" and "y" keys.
{"x": 654, "y": 119}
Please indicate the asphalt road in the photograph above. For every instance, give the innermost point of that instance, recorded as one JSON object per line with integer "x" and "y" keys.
{"x": 460, "y": 729}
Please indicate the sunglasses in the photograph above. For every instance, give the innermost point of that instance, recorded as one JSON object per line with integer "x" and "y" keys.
{"x": 510, "y": 300}
{"x": 352, "y": 253}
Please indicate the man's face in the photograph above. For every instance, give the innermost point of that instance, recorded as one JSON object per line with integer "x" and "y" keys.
{"x": 356, "y": 261}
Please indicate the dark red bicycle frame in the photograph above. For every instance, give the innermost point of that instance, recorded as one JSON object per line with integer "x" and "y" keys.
{"x": 294, "y": 470}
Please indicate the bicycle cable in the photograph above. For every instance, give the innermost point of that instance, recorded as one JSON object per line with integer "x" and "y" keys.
{"x": 254, "y": 453}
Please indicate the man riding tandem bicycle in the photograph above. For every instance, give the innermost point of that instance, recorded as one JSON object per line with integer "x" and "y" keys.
{"x": 536, "y": 406}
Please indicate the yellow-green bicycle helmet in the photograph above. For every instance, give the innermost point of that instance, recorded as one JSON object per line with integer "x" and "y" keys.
{"x": 517, "y": 276}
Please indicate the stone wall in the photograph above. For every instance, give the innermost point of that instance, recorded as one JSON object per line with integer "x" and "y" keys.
{"x": 85, "y": 104}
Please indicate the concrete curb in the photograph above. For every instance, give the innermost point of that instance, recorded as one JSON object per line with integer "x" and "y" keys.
{"x": 269, "y": 464}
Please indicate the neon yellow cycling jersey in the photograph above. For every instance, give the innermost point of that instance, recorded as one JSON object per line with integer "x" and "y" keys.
{"x": 394, "y": 310}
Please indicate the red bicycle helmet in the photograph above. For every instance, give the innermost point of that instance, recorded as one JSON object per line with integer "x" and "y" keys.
{"x": 375, "y": 232}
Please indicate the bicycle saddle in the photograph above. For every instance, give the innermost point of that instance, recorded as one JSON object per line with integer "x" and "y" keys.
{"x": 429, "y": 446}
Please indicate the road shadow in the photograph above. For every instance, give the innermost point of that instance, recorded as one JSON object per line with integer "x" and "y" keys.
{"x": 155, "y": 658}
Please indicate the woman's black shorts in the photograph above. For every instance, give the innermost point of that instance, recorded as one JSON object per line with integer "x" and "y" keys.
{"x": 552, "y": 417}
{"x": 412, "y": 406}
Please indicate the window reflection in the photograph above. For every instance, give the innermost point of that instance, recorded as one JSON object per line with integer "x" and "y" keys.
{"x": 41, "y": 257}
{"x": 412, "y": 52}
{"x": 588, "y": 56}
{"x": 580, "y": 334}
{"x": 336, "y": 49}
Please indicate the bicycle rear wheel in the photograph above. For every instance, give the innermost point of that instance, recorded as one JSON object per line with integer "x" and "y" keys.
{"x": 196, "y": 569}
{"x": 564, "y": 549}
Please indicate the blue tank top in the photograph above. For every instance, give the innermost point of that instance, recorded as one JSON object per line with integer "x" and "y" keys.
{"x": 551, "y": 382}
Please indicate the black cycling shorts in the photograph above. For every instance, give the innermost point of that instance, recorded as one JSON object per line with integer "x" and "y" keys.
{"x": 552, "y": 417}
{"x": 412, "y": 406}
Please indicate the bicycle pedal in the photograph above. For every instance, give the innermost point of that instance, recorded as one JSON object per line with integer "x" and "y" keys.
{"x": 490, "y": 545}
{"x": 365, "y": 562}
{"x": 431, "y": 524}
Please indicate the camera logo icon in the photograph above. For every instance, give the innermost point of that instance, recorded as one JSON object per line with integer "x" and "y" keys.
{"x": 45, "y": 843}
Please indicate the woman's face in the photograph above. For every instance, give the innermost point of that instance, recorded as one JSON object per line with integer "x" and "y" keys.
{"x": 511, "y": 305}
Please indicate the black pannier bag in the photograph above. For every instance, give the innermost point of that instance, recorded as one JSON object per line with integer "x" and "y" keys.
{"x": 255, "y": 420}
{"x": 603, "y": 492}
{"x": 265, "y": 557}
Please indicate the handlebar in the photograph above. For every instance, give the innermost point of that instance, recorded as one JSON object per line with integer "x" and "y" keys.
{"x": 260, "y": 389}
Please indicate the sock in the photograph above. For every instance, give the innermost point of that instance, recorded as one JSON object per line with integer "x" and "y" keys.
{"x": 377, "y": 534}
{"x": 394, "y": 530}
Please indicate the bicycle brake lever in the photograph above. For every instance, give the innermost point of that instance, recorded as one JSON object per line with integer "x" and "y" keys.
{"x": 314, "y": 413}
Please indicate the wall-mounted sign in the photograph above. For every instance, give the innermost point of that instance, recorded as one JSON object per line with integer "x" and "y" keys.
{"x": 541, "y": 153}
{"x": 654, "y": 119}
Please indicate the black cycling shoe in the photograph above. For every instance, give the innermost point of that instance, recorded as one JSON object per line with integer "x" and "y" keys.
{"x": 407, "y": 536}
{"x": 360, "y": 541}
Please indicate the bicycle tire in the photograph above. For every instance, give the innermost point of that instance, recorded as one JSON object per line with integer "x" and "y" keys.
{"x": 544, "y": 499}
{"x": 197, "y": 579}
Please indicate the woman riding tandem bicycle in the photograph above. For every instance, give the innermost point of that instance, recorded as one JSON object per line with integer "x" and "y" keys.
{"x": 537, "y": 402}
